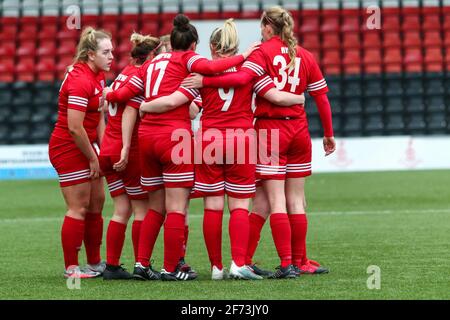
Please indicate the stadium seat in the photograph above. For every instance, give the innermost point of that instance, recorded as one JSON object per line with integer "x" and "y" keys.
{"x": 393, "y": 87}
{"x": 373, "y": 86}
{"x": 25, "y": 69}
{"x": 337, "y": 124}
{"x": 45, "y": 70}
{"x": 351, "y": 40}
{"x": 310, "y": 41}
{"x": 394, "y": 104}
{"x": 310, "y": 22}
{"x": 391, "y": 22}
{"x": 372, "y": 61}
{"x": 416, "y": 124}
{"x": 373, "y": 125}
{"x": 21, "y": 114}
{"x": 411, "y": 22}
{"x": 436, "y": 103}
{"x": 371, "y": 39}
{"x": 4, "y": 134}
{"x": 332, "y": 62}
{"x": 413, "y": 85}
{"x": 334, "y": 86}
{"x": 352, "y": 85}
{"x": 331, "y": 41}
{"x": 46, "y": 48}
{"x": 393, "y": 60}
{"x": 48, "y": 32}
{"x": 395, "y": 124}
{"x": 26, "y": 49}
{"x": 7, "y": 70}
{"x": 40, "y": 132}
{"x": 352, "y": 61}
{"x": 373, "y": 105}
{"x": 350, "y": 21}
{"x": 413, "y": 60}
{"x": 45, "y": 94}
{"x": 432, "y": 39}
{"x": 433, "y": 59}
{"x": 436, "y": 123}
{"x": 8, "y": 33}
{"x": 412, "y": 39}
{"x": 336, "y": 104}
{"x": 19, "y": 134}
{"x": 434, "y": 84}
{"x": 330, "y": 21}
{"x": 353, "y": 125}
{"x": 7, "y": 50}
{"x": 391, "y": 39}
{"x": 414, "y": 104}
{"x": 352, "y": 105}
{"x": 314, "y": 126}
{"x": 431, "y": 18}
{"x": 28, "y": 32}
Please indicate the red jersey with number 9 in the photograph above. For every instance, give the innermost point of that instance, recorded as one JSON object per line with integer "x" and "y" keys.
{"x": 81, "y": 90}
{"x": 112, "y": 140}
{"x": 272, "y": 58}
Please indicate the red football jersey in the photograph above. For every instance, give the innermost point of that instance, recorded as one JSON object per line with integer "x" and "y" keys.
{"x": 112, "y": 140}
{"x": 272, "y": 58}
{"x": 81, "y": 90}
{"x": 231, "y": 108}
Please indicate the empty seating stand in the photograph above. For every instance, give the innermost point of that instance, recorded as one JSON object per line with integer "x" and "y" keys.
{"x": 381, "y": 83}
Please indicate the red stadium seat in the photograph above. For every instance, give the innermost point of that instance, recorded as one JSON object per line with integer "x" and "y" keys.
{"x": 351, "y": 40}
{"x": 7, "y": 50}
{"x": 391, "y": 22}
{"x": 123, "y": 62}
{"x": 372, "y": 61}
{"x": 27, "y": 49}
{"x": 89, "y": 20}
{"x": 310, "y": 22}
{"x": 45, "y": 70}
{"x": 391, "y": 39}
{"x": 62, "y": 65}
{"x": 331, "y": 41}
{"x": 350, "y": 20}
{"x": 413, "y": 60}
{"x": 371, "y": 39}
{"x": 332, "y": 62}
{"x": 432, "y": 39}
{"x": 330, "y": 21}
{"x": 150, "y": 27}
{"x": 446, "y": 25}
{"x": 124, "y": 48}
{"x": 66, "y": 48}
{"x": 128, "y": 28}
{"x": 25, "y": 70}
{"x": 393, "y": 60}
{"x": 433, "y": 59}
{"x": 7, "y": 70}
{"x": 352, "y": 61}
{"x": 411, "y": 22}
{"x": 447, "y": 39}
{"x": 47, "y": 48}
{"x": 67, "y": 34}
{"x": 48, "y": 32}
{"x": 8, "y": 32}
{"x": 310, "y": 41}
{"x": 28, "y": 32}
{"x": 412, "y": 39}
{"x": 431, "y": 22}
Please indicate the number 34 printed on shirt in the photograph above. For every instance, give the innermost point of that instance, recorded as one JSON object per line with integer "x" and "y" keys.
{"x": 286, "y": 75}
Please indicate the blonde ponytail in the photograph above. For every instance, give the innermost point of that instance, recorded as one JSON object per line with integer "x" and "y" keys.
{"x": 283, "y": 25}
{"x": 89, "y": 42}
{"x": 142, "y": 46}
{"x": 225, "y": 39}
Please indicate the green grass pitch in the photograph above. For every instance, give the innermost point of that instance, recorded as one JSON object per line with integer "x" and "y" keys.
{"x": 399, "y": 221}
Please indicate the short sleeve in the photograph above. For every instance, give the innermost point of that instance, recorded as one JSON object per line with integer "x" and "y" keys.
{"x": 79, "y": 91}
{"x": 316, "y": 82}
{"x": 263, "y": 84}
{"x": 192, "y": 60}
{"x": 137, "y": 85}
{"x": 255, "y": 63}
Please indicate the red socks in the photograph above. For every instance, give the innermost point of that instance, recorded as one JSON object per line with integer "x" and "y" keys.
{"x": 149, "y": 233}
{"x": 299, "y": 227}
{"x": 173, "y": 240}
{"x": 115, "y": 237}
{"x": 281, "y": 233}
{"x": 72, "y": 233}
{"x": 212, "y": 233}
{"x": 186, "y": 235}
{"x": 239, "y": 230}
{"x": 93, "y": 233}
{"x": 135, "y": 233}
{"x": 256, "y": 224}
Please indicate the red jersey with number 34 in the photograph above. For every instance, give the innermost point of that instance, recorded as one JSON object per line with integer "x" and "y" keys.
{"x": 272, "y": 58}
{"x": 112, "y": 140}
{"x": 81, "y": 90}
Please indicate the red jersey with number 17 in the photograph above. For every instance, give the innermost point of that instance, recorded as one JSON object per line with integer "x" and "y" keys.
{"x": 112, "y": 140}
{"x": 81, "y": 90}
{"x": 272, "y": 58}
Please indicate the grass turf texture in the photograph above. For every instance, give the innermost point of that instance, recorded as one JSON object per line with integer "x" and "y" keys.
{"x": 398, "y": 221}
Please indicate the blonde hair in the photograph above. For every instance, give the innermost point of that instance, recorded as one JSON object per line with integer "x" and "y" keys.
{"x": 283, "y": 25}
{"x": 89, "y": 42}
{"x": 142, "y": 46}
{"x": 165, "y": 42}
{"x": 225, "y": 39}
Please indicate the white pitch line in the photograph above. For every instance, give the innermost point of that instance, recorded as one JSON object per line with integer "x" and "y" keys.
{"x": 311, "y": 213}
